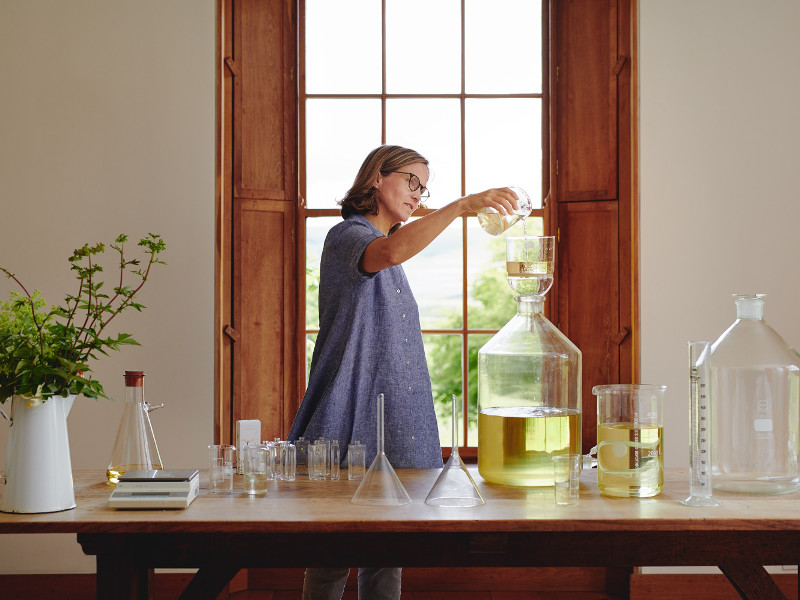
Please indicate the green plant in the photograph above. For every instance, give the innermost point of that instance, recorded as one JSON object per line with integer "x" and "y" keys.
{"x": 47, "y": 353}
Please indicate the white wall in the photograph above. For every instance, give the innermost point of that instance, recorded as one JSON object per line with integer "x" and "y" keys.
{"x": 107, "y": 126}
{"x": 719, "y": 199}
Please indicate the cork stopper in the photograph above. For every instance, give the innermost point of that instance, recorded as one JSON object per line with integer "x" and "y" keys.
{"x": 134, "y": 378}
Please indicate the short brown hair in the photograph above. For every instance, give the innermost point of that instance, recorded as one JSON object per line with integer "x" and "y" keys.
{"x": 360, "y": 198}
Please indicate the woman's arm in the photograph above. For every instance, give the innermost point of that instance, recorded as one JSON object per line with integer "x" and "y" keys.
{"x": 414, "y": 237}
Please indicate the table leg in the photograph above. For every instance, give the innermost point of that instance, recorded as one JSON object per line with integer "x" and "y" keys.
{"x": 208, "y": 583}
{"x": 751, "y": 581}
{"x": 118, "y": 576}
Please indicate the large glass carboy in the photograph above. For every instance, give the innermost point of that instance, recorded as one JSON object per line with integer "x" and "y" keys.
{"x": 529, "y": 379}
{"x": 135, "y": 448}
{"x": 754, "y": 385}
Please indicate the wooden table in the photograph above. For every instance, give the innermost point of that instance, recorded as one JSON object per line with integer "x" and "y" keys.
{"x": 312, "y": 523}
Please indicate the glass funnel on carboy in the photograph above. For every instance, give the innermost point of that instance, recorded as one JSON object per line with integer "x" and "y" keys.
{"x": 529, "y": 379}
{"x": 754, "y": 387}
{"x": 135, "y": 448}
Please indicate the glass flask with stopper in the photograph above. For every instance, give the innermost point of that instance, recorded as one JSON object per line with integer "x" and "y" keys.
{"x": 135, "y": 448}
{"x": 529, "y": 379}
{"x": 754, "y": 388}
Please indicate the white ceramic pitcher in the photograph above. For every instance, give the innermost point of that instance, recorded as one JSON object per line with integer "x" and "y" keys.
{"x": 38, "y": 475}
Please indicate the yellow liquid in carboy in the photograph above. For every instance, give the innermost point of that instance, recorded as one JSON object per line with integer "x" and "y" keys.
{"x": 516, "y": 445}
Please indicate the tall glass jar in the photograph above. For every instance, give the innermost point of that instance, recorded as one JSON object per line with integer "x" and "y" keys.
{"x": 529, "y": 387}
{"x": 754, "y": 385}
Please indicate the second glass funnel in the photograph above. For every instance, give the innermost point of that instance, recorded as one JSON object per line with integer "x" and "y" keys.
{"x": 381, "y": 486}
{"x": 454, "y": 486}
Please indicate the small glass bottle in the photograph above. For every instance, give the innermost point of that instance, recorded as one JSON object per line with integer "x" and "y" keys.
{"x": 135, "y": 448}
{"x": 754, "y": 381}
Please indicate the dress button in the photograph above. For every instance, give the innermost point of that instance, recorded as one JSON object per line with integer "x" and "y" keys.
{"x": 409, "y": 388}
{"x": 406, "y": 340}
{"x": 398, "y": 291}
{"x": 412, "y": 437}
{"x": 404, "y": 315}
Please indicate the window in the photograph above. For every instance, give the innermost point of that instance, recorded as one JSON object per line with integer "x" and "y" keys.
{"x": 436, "y": 77}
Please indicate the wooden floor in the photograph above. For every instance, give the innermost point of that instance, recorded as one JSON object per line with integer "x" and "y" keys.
{"x": 418, "y": 584}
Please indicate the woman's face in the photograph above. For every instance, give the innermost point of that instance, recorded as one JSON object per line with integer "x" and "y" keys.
{"x": 396, "y": 201}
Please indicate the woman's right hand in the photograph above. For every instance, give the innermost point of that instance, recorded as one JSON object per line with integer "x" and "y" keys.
{"x": 503, "y": 200}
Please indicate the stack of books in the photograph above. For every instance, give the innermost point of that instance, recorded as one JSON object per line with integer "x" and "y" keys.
{"x": 156, "y": 489}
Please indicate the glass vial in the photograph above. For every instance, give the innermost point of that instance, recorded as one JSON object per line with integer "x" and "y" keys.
{"x": 356, "y": 461}
{"x": 335, "y": 457}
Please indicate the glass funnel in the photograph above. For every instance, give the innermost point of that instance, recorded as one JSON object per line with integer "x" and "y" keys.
{"x": 381, "y": 486}
{"x": 454, "y": 486}
{"x": 754, "y": 381}
{"x": 135, "y": 448}
{"x": 529, "y": 379}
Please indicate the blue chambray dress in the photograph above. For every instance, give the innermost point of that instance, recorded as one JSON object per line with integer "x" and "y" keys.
{"x": 369, "y": 343}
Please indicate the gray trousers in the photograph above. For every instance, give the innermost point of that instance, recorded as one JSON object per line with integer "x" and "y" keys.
{"x": 373, "y": 584}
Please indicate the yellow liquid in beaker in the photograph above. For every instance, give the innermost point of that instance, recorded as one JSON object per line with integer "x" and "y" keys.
{"x": 630, "y": 460}
{"x": 516, "y": 445}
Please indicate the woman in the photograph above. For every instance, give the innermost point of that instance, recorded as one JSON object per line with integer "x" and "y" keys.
{"x": 370, "y": 340}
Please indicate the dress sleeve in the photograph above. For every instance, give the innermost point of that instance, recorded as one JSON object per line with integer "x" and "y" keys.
{"x": 348, "y": 245}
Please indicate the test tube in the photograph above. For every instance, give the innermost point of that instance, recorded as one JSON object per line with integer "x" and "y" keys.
{"x": 335, "y": 460}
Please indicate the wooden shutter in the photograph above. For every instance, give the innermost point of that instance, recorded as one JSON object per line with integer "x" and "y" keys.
{"x": 591, "y": 174}
{"x": 262, "y": 216}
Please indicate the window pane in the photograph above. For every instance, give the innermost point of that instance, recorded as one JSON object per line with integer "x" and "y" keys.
{"x": 432, "y": 127}
{"x": 339, "y": 135}
{"x": 513, "y": 64}
{"x": 316, "y": 230}
{"x": 504, "y": 145}
{"x": 423, "y": 46}
{"x": 474, "y": 343}
{"x": 336, "y": 60}
{"x": 435, "y": 277}
{"x": 443, "y": 352}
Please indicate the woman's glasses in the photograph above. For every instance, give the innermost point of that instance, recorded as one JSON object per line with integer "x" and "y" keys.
{"x": 414, "y": 184}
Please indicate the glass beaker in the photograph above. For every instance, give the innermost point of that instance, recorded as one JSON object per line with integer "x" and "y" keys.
{"x": 135, "y": 448}
{"x": 754, "y": 384}
{"x": 529, "y": 380}
{"x": 630, "y": 431}
{"x": 256, "y": 466}
{"x": 494, "y": 223}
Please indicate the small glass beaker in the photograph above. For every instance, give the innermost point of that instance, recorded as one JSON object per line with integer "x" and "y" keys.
{"x": 317, "y": 460}
{"x": 630, "y": 453}
{"x": 256, "y": 468}
{"x": 221, "y": 465}
{"x": 566, "y": 479}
